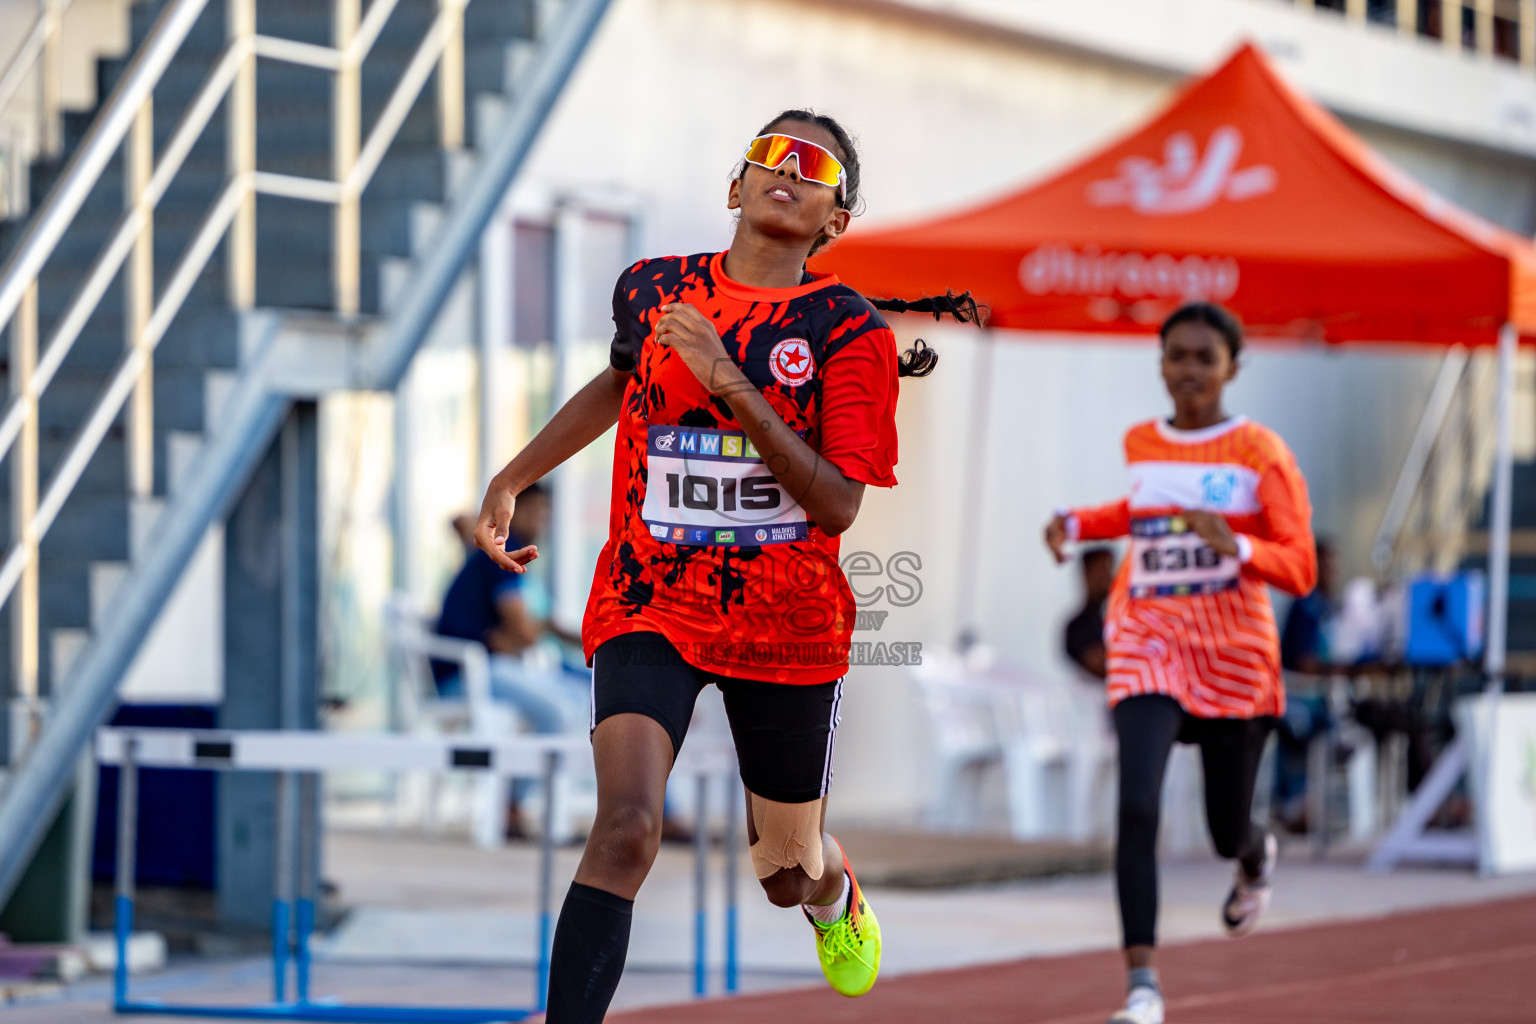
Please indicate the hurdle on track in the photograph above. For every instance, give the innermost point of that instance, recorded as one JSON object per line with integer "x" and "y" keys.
{"x": 297, "y": 759}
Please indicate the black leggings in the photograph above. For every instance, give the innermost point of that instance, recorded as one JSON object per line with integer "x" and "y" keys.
{"x": 1230, "y": 748}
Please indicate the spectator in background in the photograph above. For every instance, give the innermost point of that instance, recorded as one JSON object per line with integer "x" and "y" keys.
{"x": 1304, "y": 640}
{"x": 1085, "y": 633}
{"x": 486, "y": 603}
{"x": 1304, "y": 650}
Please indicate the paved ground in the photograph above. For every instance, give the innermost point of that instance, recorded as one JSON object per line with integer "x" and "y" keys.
{"x": 1468, "y": 964}
{"x": 438, "y": 922}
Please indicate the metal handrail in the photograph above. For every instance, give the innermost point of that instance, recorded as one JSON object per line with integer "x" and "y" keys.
{"x": 126, "y": 122}
{"x": 1446, "y": 474}
{"x": 1419, "y": 451}
{"x": 84, "y": 170}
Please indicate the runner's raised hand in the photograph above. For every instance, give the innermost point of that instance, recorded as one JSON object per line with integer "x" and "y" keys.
{"x": 1214, "y": 530}
{"x": 1056, "y": 538}
{"x": 493, "y": 525}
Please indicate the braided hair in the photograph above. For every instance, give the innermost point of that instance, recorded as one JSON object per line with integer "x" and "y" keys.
{"x": 920, "y": 359}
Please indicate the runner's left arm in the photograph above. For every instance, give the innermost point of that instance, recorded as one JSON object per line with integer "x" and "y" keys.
{"x": 578, "y": 423}
{"x": 1101, "y": 522}
{"x": 1287, "y": 558}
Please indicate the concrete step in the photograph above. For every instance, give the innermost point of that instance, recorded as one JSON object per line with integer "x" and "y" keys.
{"x": 65, "y": 592}
{"x": 104, "y": 474}
{"x": 488, "y": 110}
{"x": 64, "y": 604}
{"x": 106, "y": 578}
{"x": 94, "y": 527}
{"x": 143, "y": 518}
{"x": 95, "y": 523}
{"x": 217, "y": 386}
{"x": 182, "y": 449}
{"x": 292, "y": 278}
{"x": 73, "y": 394}
{"x": 66, "y": 644}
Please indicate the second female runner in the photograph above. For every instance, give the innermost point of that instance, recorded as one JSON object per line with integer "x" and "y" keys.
{"x": 755, "y": 401}
{"x": 1217, "y": 513}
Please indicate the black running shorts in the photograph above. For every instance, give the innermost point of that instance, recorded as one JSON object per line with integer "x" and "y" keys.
{"x": 784, "y": 733}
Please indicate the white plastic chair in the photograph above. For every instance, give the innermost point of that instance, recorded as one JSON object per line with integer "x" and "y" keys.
{"x": 1050, "y": 743}
{"x": 1059, "y": 760}
{"x": 1094, "y": 760}
{"x": 423, "y": 710}
{"x": 964, "y": 722}
{"x": 1037, "y": 759}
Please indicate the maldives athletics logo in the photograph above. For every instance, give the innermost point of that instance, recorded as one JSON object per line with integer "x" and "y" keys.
{"x": 791, "y": 362}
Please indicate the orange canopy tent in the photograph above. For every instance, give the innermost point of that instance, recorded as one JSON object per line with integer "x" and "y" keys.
{"x": 1242, "y": 191}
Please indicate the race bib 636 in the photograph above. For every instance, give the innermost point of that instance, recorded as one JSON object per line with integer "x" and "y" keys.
{"x": 1169, "y": 559}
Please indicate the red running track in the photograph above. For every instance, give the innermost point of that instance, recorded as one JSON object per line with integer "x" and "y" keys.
{"x": 1464, "y": 964}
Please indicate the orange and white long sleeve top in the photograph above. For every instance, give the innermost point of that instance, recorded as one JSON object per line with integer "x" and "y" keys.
{"x": 1183, "y": 620}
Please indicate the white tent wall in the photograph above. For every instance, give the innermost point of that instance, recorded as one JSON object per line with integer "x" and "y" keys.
{"x": 1058, "y": 409}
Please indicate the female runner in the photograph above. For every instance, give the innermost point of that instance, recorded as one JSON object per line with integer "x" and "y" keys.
{"x": 755, "y": 401}
{"x": 1217, "y": 513}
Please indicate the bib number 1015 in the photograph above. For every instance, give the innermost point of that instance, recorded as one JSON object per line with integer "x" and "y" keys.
{"x": 706, "y": 493}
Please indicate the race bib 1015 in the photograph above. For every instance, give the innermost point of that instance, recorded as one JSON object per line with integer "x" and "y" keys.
{"x": 1169, "y": 559}
{"x": 710, "y": 488}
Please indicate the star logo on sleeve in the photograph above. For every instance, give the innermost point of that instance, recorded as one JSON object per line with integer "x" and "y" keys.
{"x": 791, "y": 362}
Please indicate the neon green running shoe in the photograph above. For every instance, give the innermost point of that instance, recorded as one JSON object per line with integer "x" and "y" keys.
{"x": 849, "y": 949}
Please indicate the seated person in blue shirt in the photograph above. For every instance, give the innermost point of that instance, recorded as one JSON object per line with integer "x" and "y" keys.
{"x": 486, "y": 603}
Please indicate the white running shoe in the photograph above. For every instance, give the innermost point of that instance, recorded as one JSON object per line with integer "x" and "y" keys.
{"x": 1144, "y": 1005}
{"x": 1249, "y": 896}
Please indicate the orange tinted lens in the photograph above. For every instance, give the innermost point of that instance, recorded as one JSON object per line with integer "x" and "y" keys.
{"x": 815, "y": 163}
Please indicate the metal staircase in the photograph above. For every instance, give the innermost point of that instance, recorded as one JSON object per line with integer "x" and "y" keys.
{"x": 1462, "y": 501}
{"x": 1439, "y": 515}
{"x": 273, "y": 203}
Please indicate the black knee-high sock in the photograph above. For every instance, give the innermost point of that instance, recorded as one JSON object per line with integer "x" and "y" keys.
{"x": 587, "y": 958}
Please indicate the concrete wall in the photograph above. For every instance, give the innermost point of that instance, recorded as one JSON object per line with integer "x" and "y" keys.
{"x": 1365, "y": 71}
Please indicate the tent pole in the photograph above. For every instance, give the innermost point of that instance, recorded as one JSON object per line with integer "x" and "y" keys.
{"x": 1499, "y": 513}
{"x": 972, "y": 491}
{"x": 1498, "y": 592}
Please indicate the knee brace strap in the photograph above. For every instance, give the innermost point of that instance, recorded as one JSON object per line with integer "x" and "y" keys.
{"x": 788, "y": 835}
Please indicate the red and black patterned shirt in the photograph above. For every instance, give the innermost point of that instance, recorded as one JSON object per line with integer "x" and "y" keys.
{"x": 704, "y": 545}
